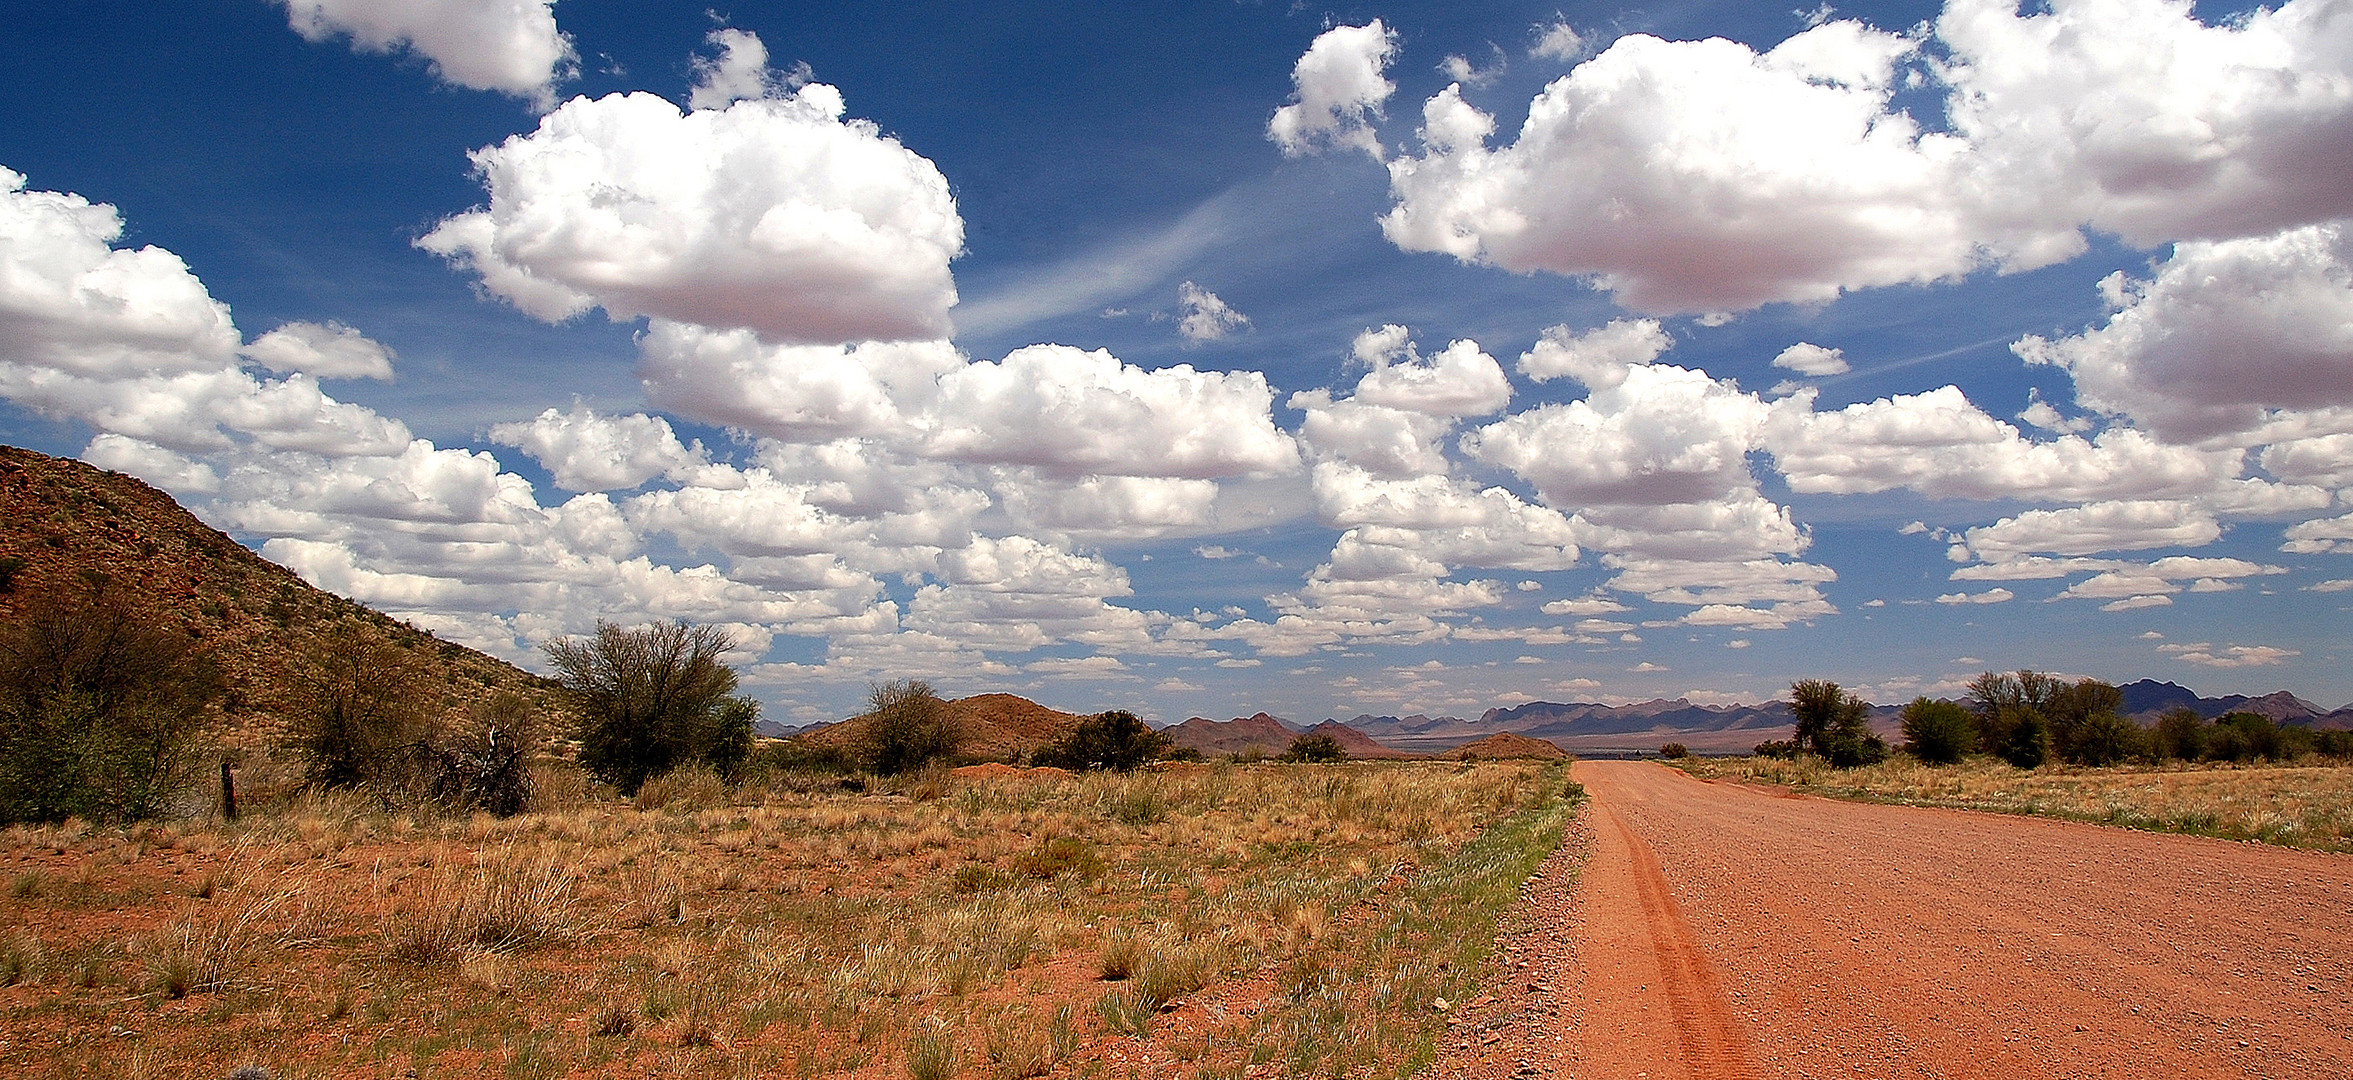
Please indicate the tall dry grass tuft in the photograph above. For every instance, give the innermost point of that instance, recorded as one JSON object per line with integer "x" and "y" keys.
{"x": 199, "y": 952}
{"x": 506, "y": 900}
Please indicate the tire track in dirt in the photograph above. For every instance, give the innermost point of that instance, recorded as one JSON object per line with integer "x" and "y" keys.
{"x": 1714, "y": 1046}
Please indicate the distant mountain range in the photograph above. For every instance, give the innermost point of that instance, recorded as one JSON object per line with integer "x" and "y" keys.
{"x": 2149, "y": 699}
{"x": 1578, "y": 727}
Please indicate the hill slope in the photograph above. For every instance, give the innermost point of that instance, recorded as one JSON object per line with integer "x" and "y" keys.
{"x": 998, "y": 726}
{"x": 71, "y": 526}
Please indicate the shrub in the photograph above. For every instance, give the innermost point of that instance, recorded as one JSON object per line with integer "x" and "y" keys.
{"x": 1314, "y": 749}
{"x": 1776, "y": 748}
{"x": 356, "y": 709}
{"x": 907, "y": 727}
{"x": 2026, "y": 742}
{"x": 1114, "y": 740}
{"x": 1938, "y": 732}
{"x": 100, "y": 707}
{"x": 2180, "y": 735}
{"x": 1674, "y": 751}
{"x": 652, "y": 699}
{"x": 2001, "y": 702}
{"x": 2105, "y": 738}
{"x": 2086, "y": 710}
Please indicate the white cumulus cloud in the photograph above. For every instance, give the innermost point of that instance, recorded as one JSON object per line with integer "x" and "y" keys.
{"x": 511, "y": 46}
{"x": 774, "y": 215}
{"x": 1338, "y": 83}
{"x": 321, "y": 350}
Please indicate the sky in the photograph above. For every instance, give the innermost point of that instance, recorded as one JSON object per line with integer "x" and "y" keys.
{"x": 1209, "y": 357}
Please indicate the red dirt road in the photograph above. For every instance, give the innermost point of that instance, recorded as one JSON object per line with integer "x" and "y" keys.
{"x": 1717, "y": 930}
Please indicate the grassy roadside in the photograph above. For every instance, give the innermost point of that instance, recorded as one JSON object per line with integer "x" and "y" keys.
{"x": 1363, "y": 1006}
{"x": 998, "y": 926}
{"x": 2297, "y": 805}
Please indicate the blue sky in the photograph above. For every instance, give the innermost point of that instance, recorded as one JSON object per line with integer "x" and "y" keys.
{"x": 1223, "y": 357}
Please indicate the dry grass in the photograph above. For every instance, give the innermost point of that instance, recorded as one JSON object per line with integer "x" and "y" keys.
{"x": 1007, "y": 927}
{"x": 2301, "y": 805}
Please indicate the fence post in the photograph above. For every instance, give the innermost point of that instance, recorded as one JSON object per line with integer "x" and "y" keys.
{"x": 228, "y": 792}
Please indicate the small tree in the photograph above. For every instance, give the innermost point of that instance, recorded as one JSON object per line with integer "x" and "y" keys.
{"x": 2001, "y": 702}
{"x": 1674, "y": 751}
{"x": 358, "y": 706}
{"x": 1938, "y": 732}
{"x": 2180, "y": 735}
{"x": 1814, "y": 704}
{"x": 908, "y": 726}
{"x": 1114, "y": 740}
{"x": 1314, "y": 749}
{"x": 652, "y": 699}
{"x": 100, "y": 708}
{"x": 1835, "y": 724}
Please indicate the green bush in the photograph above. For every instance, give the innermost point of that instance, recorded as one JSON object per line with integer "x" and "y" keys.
{"x": 1314, "y": 749}
{"x": 2026, "y": 742}
{"x": 652, "y": 699}
{"x": 1674, "y": 751}
{"x": 1938, "y": 732}
{"x": 1114, "y": 740}
{"x": 2180, "y": 735}
{"x": 2105, "y": 738}
{"x": 908, "y": 727}
{"x": 100, "y": 708}
{"x": 1776, "y": 748}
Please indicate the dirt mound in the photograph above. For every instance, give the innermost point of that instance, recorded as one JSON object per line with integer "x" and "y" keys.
{"x": 1505, "y": 744}
{"x": 70, "y": 525}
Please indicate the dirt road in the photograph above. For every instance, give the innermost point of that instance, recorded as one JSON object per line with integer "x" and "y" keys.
{"x": 1717, "y": 930}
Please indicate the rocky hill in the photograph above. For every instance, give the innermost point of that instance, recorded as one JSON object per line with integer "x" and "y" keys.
{"x": 1218, "y": 738}
{"x": 72, "y": 528}
{"x": 1358, "y": 744}
{"x": 989, "y": 726}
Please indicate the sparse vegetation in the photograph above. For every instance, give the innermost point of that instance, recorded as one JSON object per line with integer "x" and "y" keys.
{"x": 1674, "y": 751}
{"x": 2307, "y": 805}
{"x": 787, "y": 928}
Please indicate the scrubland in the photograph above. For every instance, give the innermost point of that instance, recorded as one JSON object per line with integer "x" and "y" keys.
{"x": 2304, "y": 804}
{"x": 1198, "y": 921}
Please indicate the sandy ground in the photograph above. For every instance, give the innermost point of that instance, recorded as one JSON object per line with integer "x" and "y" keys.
{"x": 1706, "y": 930}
